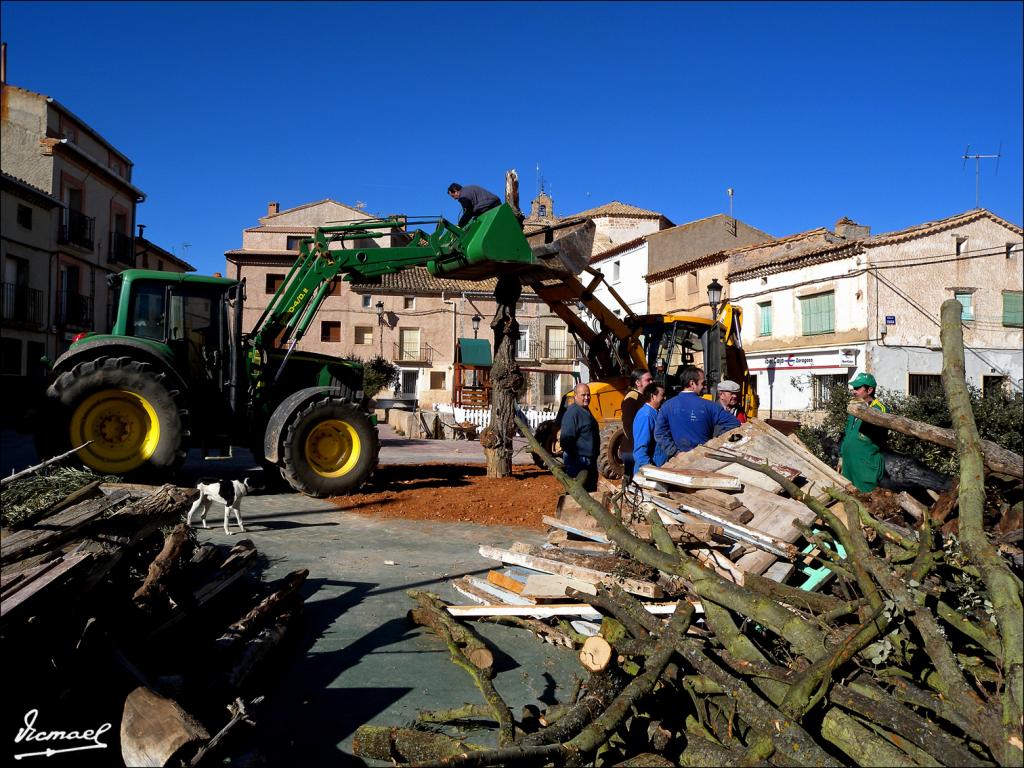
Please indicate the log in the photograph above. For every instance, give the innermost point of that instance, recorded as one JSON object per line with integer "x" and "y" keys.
{"x": 405, "y": 745}
{"x": 154, "y": 729}
{"x": 263, "y": 612}
{"x": 912, "y": 506}
{"x": 164, "y": 566}
{"x": 432, "y": 614}
{"x": 259, "y": 648}
{"x": 507, "y": 379}
{"x": 596, "y": 654}
{"x": 996, "y": 458}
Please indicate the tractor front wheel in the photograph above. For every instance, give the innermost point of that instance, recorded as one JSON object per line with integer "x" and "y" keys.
{"x": 608, "y": 462}
{"x": 330, "y": 449}
{"x": 547, "y": 435}
{"x": 126, "y": 412}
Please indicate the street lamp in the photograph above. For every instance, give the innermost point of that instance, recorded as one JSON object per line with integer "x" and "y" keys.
{"x": 476, "y": 324}
{"x": 714, "y": 297}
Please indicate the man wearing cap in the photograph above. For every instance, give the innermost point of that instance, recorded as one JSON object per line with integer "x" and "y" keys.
{"x": 473, "y": 199}
{"x": 729, "y": 398}
{"x": 861, "y": 449}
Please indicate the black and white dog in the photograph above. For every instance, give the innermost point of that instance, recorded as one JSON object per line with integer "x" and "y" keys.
{"x": 227, "y": 492}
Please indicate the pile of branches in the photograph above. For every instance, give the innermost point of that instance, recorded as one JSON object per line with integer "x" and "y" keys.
{"x": 914, "y": 658}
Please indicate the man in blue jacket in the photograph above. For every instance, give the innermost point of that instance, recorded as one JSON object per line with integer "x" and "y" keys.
{"x": 688, "y": 420}
{"x": 580, "y": 438}
{"x": 645, "y": 448}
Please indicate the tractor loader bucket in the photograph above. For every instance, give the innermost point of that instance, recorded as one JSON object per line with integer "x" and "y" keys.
{"x": 570, "y": 251}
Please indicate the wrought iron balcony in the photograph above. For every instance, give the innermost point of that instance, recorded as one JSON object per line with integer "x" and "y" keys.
{"x": 20, "y": 304}
{"x": 76, "y": 228}
{"x": 120, "y": 249}
{"x": 414, "y": 353}
{"x": 74, "y": 310}
{"x": 560, "y": 350}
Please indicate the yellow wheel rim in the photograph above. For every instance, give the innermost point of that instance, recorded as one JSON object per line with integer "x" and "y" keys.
{"x": 123, "y": 427}
{"x": 332, "y": 448}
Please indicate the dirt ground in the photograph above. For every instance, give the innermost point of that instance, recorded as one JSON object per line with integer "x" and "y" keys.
{"x": 463, "y": 493}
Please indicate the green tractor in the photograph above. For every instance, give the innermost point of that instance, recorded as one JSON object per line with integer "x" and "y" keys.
{"x": 177, "y": 371}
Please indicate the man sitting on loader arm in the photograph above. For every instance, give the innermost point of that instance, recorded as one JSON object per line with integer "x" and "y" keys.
{"x": 473, "y": 199}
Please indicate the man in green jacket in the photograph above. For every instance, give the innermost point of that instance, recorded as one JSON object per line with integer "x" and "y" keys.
{"x": 862, "y": 445}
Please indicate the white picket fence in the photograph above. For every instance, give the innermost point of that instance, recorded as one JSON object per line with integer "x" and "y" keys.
{"x": 481, "y": 417}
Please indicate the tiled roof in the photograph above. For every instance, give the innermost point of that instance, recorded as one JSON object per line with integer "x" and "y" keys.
{"x": 711, "y": 258}
{"x": 362, "y": 214}
{"x": 615, "y": 208}
{"x": 277, "y": 252}
{"x": 616, "y": 250}
{"x": 30, "y": 188}
{"x": 282, "y": 230}
{"x": 798, "y": 260}
{"x": 931, "y": 227}
{"x": 95, "y": 134}
{"x": 419, "y": 281}
{"x": 155, "y": 249}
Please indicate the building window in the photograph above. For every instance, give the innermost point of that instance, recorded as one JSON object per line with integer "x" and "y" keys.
{"x": 274, "y": 282}
{"x": 10, "y": 357}
{"x": 437, "y": 379}
{"x": 1013, "y": 310}
{"x": 408, "y": 302}
{"x": 764, "y": 311}
{"x": 616, "y": 267}
{"x": 993, "y": 386}
{"x": 1009, "y": 250}
{"x": 409, "y": 344}
{"x": 919, "y": 383}
{"x": 335, "y": 289}
{"x": 823, "y": 387}
{"x": 960, "y": 243}
{"x": 364, "y": 334}
{"x": 966, "y": 299}
{"x": 523, "y": 344}
{"x": 293, "y": 242}
{"x": 410, "y": 382}
{"x": 556, "y": 343}
{"x": 691, "y": 282}
{"x": 330, "y": 330}
{"x": 24, "y": 216}
{"x": 542, "y": 210}
{"x": 549, "y": 384}
{"x": 818, "y": 314}
{"x": 367, "y": 302}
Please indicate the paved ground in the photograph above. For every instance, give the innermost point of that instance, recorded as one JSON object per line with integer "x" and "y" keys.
{"x": 358, "y": 660}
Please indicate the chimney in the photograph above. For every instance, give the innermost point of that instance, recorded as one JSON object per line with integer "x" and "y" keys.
{"x": 849, "y": 229}
{"x": 142, "y": 228}
{"x": 3, "y": 63}
{"x": 273, "y": 208}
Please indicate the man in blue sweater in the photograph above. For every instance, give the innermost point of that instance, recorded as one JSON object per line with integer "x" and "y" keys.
{"x": 581, "y": 439}
{"x": 688, "y": 420}
{"x": 645, "y": 448}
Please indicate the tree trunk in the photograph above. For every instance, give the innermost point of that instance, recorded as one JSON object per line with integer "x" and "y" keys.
{"x": 1002, "y": 587}
{"x": 996, "y": 458}
{"x": 506, "y": 379}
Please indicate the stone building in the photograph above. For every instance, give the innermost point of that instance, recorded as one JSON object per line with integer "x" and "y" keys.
{"x": 683, "y": 260}
{"x": 820, "y": 306}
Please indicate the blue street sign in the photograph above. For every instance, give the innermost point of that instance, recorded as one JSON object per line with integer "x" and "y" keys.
{"x": 890, "y": 319}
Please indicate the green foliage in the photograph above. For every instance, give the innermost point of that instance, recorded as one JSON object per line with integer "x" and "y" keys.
{"x": 999, "y": 417}
{"x": 24, "y": 497}
{"x": 378, "y": 374}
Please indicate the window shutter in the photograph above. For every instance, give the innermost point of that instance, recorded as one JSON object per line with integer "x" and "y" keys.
{"x": 1013, "y": 309}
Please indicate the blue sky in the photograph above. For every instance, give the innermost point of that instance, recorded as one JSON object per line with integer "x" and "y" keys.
{"x": 811, "y": 112}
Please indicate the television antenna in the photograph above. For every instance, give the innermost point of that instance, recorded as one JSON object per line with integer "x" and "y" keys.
{"x": 977, "y": 169}
{"x": 185, "y": 247}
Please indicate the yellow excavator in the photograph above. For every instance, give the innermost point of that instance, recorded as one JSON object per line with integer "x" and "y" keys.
{"x": 614, "y": 345}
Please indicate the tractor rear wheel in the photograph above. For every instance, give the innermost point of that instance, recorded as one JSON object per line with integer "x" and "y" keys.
{"x": 608, "y": 462}
{"x": 330, "y": 448}
{"x": 132, "y": 420}
{"x": 547, "y": 435}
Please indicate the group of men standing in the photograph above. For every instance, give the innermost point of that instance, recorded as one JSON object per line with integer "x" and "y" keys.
{"x": 655, "y": 429}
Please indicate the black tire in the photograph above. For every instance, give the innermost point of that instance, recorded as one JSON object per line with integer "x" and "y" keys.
{"x": 330, "y": 448}
{"x": 137, "y": 422}
{"x": 547, "y": 436}
{"x": 608, "y": 462}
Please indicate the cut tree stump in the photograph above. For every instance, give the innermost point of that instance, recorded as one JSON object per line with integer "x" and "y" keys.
{"x": 154, "y": 729}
